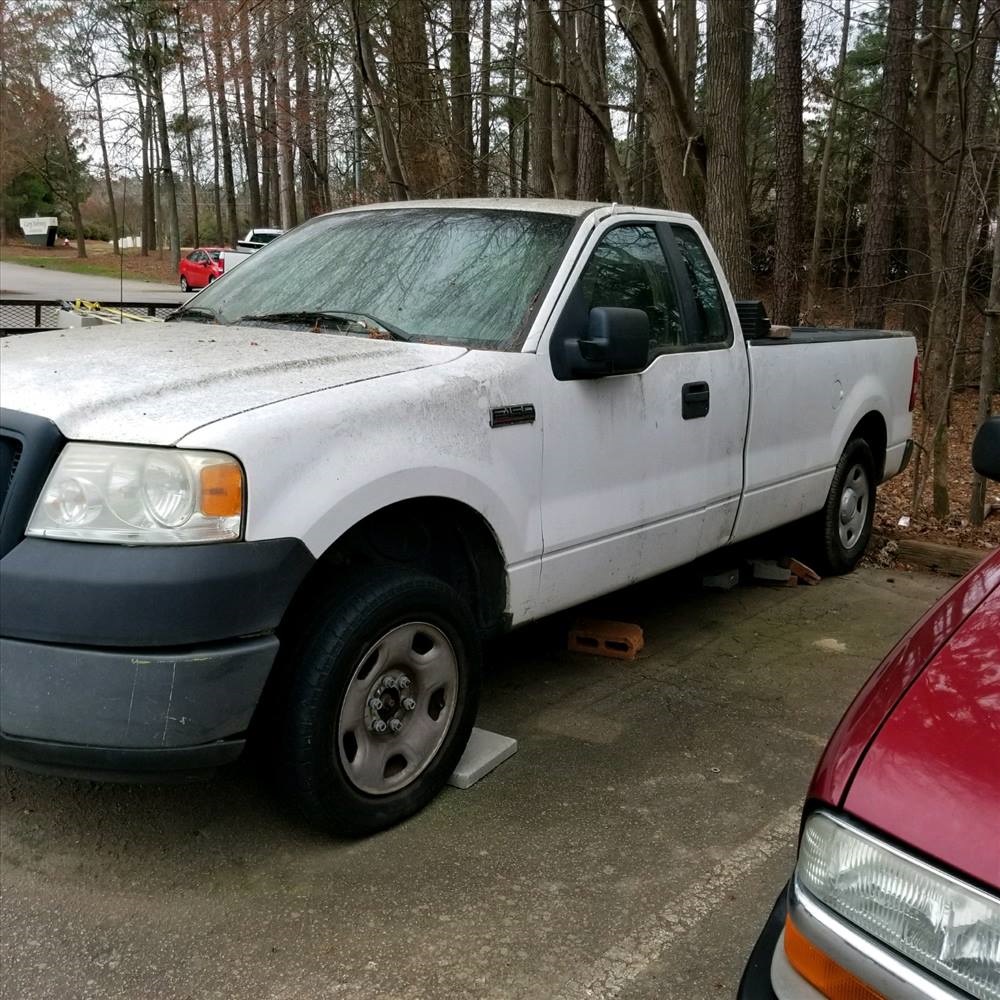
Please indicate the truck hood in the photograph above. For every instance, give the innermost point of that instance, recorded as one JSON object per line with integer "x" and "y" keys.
{"x": 153, "y": 383}
{"x": 931, "y": 777}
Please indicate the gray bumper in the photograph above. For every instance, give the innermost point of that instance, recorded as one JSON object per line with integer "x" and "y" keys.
{"x": 139, "y": 706}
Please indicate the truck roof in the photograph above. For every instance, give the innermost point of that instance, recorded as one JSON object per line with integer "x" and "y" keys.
{"x": 551, "y": 206}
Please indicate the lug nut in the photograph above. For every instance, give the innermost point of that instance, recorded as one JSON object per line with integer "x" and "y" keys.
{"x": 403, "y": 683}
{"x": 375, "y": 704}
{"x": 390, "y": 683}
{"x": 378, "y": 726}
{"x": 409, "y": 704}
{"x": 395, "y": 725}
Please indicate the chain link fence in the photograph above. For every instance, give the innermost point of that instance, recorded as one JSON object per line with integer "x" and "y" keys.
{"x": 28, "y": 315}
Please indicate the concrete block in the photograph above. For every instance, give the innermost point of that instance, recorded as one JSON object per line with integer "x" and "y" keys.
{"x": 769, "y": 571}
{"x": 484, "y": 752}
{"x": 619, "y": 640}
{"x": 725, "y": 580}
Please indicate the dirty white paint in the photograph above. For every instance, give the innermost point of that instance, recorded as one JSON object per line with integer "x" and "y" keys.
{"x": 151, "y": 384}
{"x": 628, "y": 959}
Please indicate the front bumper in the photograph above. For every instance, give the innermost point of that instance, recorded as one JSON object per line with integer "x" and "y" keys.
{"x": 137, "y": 661}
{"x": 756, "y": 981}
{"x": 770, "y": 976}
{"x": 102, "y": 712}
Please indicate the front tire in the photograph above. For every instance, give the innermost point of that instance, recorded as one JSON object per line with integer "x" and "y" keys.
{"x": 382, "y": 699}
{"x": 846, "y": 518}
{"x": 185, "y": 287}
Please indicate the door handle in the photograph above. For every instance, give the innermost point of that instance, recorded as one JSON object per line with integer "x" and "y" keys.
{"x": 695, "y": 399}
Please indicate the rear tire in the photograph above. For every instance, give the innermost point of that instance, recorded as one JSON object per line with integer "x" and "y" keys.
{"x": 185, "y": 287}
{"x": 382, "y": 698}
{"x": 845, "y": 522}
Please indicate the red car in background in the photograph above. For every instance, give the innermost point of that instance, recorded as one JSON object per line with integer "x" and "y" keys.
{"x": 896, "y": 891}
{"x": 200, "y": 268}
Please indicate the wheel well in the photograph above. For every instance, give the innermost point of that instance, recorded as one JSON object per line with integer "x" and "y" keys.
{"x": 444, "y": 538}
{"x": 871, "y": 428}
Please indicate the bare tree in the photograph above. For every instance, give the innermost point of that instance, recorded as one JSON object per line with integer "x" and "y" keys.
{"x": 788, "y": 179}
{"x": 883, "y": 189}
{"x": 812, "y": 294}
{"x": 726, "y": 212}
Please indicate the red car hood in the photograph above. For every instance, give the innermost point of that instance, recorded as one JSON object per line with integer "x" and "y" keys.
{"x": 932, "y": 776}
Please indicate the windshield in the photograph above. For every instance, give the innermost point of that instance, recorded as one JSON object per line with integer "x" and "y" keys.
{"x": 441, "y": 275}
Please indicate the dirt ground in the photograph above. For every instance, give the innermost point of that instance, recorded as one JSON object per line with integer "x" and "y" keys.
{"x": 632, "y": 847}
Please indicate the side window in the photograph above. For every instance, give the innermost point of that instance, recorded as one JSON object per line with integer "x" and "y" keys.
{"x": 710, "y": 306}
{"x": 628, "y": 269}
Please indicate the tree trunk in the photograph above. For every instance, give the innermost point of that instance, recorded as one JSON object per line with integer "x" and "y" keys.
{"x": 686, "y": 19}
{"x": 303, "y": 112}
{"x": 368, "y": 69}
{"x": 485, "y": 69}
{"x": 210, "y": 91}
{"x": 251, "y": 125}
{"x": 788, "y": 180}
{"x": 414, "y": 143}
{"x": 541, "y": 61}
{"x": 283, "y": 102}
{"x": 461, "y": 98}
{"x": 222, "y": 104}
{"x": 148, "y": 223}
{"x": 166, "y": 168}
{"x": 512, "y": 99}
{"x": 74, "y": 204}
{"x": 726, "y": 213}
{"x": 987, "y": 366}
{"x": 185, "y": 111}
{"x": 590, "y": 175}
{"x": 677, "y": 142}
{"x": 883, "y": 190}
{"x": 108, "y": 185}
{"x": 812, "y": 294}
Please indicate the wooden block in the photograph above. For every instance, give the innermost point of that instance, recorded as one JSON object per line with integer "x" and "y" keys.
{"x": 618, "y": 640}
{"x": 949, "y": 559}
{"x": 803, "y": 572}
{"x": 792, "y": 581}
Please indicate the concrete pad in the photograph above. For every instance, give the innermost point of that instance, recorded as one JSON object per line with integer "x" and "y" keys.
{"x": 484, "y": 752}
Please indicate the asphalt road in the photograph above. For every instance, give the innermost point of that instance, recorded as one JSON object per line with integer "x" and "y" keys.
{"x": 21, "y": 281}
{"x": 630, "y": 849}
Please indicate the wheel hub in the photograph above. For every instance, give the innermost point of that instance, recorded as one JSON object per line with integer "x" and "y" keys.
{"x": 389, "y": 703}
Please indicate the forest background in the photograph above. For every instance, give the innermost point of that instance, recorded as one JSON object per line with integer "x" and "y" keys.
{"x": 843, "y": 155}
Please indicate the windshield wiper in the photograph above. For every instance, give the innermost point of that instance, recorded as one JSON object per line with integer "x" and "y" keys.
{"x": 196, "y": 313}
{"x": 376, "y": 328}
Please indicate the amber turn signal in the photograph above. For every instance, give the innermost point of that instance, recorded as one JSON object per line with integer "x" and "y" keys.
{"x": 821, "y": 971}
{"x": 222, "y": 490}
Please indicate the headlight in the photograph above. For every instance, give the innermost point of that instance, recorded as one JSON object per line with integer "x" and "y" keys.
{"x": 140, "y": 496}
{"x": 937, "y": 921}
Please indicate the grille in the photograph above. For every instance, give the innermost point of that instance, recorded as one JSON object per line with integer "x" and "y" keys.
{"x": 10, "y": 456}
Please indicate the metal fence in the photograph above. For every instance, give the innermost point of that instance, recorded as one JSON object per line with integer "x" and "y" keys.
{"x": 28, "y": 315}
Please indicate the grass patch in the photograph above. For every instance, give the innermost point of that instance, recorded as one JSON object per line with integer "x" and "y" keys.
{"x": 77, "y": 266}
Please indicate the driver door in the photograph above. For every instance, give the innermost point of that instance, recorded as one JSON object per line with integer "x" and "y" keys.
{"x": 643, "y": 472}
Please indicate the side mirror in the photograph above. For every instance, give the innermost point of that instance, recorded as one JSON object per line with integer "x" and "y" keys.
{"x": 615, "y": 341}
{"x": 986, "y": 449}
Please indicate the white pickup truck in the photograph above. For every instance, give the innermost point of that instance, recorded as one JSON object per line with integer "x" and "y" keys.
{"x": 254, "y": 240}
{"x": 295, "y": 510}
